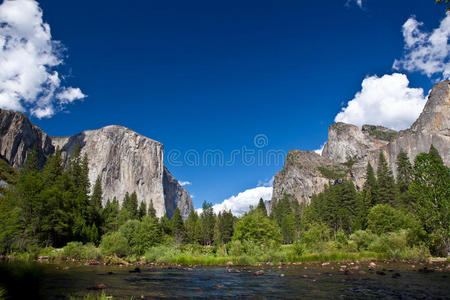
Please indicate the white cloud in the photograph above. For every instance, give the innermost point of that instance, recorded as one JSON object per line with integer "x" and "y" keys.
{"x": 28, "y": 58}
{"x": 386, "y": 101}
{"x": 319, "y": 151}
{"x": 183, "y": 183}
{"x": 426, "y": 52}
{"x": 69, "y": 95}
{"x": 241, "y": 203}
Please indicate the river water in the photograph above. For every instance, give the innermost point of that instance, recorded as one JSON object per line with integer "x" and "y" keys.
{"x": 304, "y": 281}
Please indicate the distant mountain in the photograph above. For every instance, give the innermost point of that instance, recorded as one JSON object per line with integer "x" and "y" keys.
{"x": 349, "y": 149}
{"x": 124, "y": 160}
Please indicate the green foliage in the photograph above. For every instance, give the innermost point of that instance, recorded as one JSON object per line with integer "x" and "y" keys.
{"x": 384, "y": 218}
{"x": 178, "y": 226}
{"x": 151, "y": 210}
{"x": 114, "y": 243}
{"x": 110, "y": 216}
{"x": 337, "y": 207}
{"x": 363, "y": 239}
{"x": 384, "y": 135}
{"x": 76, "y": 250}
{"x": 385, "y": 192}
{"x": 193, "y": 228}
{"x": 207, "y": 219}
{"x": 430, "y": 192}
{"x": 130, "y": 205}
{"x": 223, "y": 228}
{"x": 256, "y": 228}
{"x": 316, "y": 235}
{"x": 262, "y": 207}
{"x": 332, "y": 172}
{"x": 142, "y": 212}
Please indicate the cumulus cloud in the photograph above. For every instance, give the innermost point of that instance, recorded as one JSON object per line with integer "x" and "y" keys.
{"x": 241, "y": 203}
{"x": 183, "y": 183}
{"x": 386, "y": 101}
{"x": 426, "y": 52}
{"x": 29, "y": 81}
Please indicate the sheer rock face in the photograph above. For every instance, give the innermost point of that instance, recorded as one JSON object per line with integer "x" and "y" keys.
{"x": 124, "y": 160}
{"x": 18, "y": 135}
{"x": 176, "y": 196}
{"x": 301, "y": 176}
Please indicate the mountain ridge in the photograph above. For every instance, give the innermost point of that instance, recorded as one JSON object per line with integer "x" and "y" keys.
{"x": 124, "y": 160}
{"x": 349, "y": 149}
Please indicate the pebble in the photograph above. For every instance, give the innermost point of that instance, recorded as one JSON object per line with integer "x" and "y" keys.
{"x": 259, "y": 273}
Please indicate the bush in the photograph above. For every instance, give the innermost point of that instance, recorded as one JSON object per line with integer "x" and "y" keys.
{"x": 257, "y": 228}
{"x": 162, "y": 253}
{"x": 315, "y": 236}
{"x": 298, "y": 248}
{"x": 341, "y": 239}
{"x": 73, "y": 250}
{"x": 362, "y": 239}
{"x": 114, "y": 243}
{"x": 90, "y": 251}
{"x": 235, "y": 248}
{"x": 384, "y": 218}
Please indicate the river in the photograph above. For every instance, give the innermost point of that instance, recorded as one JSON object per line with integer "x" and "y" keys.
{"x": 305, "y": 281}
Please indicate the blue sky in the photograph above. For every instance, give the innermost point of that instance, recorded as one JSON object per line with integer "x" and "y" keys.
{"x": 199, "y": 75}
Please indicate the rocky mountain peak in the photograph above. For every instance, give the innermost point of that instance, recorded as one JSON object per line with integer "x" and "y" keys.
{"x": 435, "y": 117}
{"x": 124, "y": 160}
{"x": 349, "y": 149}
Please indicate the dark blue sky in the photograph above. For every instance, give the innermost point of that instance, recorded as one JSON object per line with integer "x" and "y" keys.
{"x": 213, "y": 74}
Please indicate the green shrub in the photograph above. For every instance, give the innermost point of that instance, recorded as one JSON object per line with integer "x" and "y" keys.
{"x": 90, "y": 251}
{"x": 341, "y": 239}
{"x": 362, "y": 239}
{"x": 162, "y": 253}
{"x": 235, "y": 248}
{"x": 73, "y": 250}
{"x": 315, "y": 237}
{"x": 384, "y": 218}
{"x": 298, "y": 248}
{"x": 114, "y": 243}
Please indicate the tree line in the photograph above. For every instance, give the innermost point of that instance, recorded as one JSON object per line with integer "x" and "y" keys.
{"x": 54, "y": 205}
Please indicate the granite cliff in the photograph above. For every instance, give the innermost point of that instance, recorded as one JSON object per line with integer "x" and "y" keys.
{"x": 124, "y": 160}
{"x": 349, "y": 149}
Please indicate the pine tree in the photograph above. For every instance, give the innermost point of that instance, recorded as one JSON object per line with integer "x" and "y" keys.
{"x": 95, "y": 209}
{"x": 178, "y": 226}
{"x": 262, "y": 207}
{"x": 404, "y": 171}
{"x": 207, "y": 219}
{"x": 151, "y": 210}
{"x": 110, "y": 215}
{"x": 370, "y": 187}
{"x": 142, "y": 210}
{"x": 193, "y": 228}
{"x": 385, "y": 191}
{"x": 166, "y": 225}
{"x": 430, "y": 192}
{"x": 55, "y": 221}
{"x": 218, "y": 229}
{"x": 134, "y": 205}
{"x": 227, "y": 226}
{"x": 27, "y": 195}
